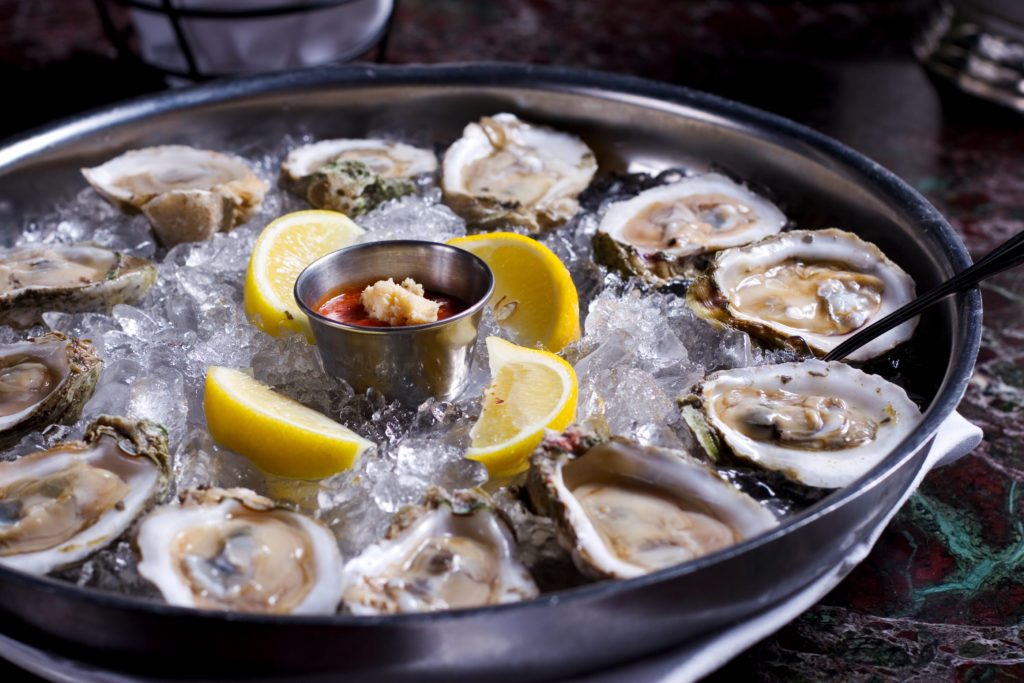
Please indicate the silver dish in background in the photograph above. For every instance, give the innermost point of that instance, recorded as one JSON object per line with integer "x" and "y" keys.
{"x": 632, "y": 125}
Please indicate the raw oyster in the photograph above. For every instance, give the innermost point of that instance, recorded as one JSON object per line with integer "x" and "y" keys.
{"x": 504, "y": 172}
{"x": 186, "y": 193}
{"x": 60, "y": 505}
{"x": 70, "y": 278}
{"x": 453, "y": 551}
{"x": 666, "y": 232}
{"x": 384, "y": 158}
{"x": 352, "y": 188}
{"x": 624, "y": 510}
{"x": 44, "y": 381}
{"x": 232, "y": 549}
{"x": 820, "y": 424}
{"x": 806, "y": 289}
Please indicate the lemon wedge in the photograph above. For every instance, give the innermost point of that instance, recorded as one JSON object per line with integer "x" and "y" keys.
{"x": 284, "y": 248}
{"x": 534, "y": 297}
{"x": 279, "y": 435}
{"x": 530, "y": 391}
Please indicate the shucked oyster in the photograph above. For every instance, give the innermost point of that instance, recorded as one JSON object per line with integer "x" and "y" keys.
{"x": 186, "y": 193}
{"x": 44, "y": 381}
{"x": 61, "y": 505}
{"x": 820, "y": 424}
{"x": 384, "y": 158}
{"x": 233, "y": 549}
{"x": 663, "y": 233}
{"x": 504, "y": 172}
{"x": 453, "y": 551}
{"x": 70, "y": 278}
{"x": 806, "y": 289}
{"x": 625, "y": 510}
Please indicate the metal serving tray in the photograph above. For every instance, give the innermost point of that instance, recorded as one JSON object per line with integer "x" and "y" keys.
{"x": 631, "y": 124}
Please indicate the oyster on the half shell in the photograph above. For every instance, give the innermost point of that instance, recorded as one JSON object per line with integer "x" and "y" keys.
{"x": 624, "y": 510}
{"x": 504, "y": 172}
{"x": 187, "y": 194}
{"x": 45, "y": 380}
{"x": 806, "y": 289}
{"x": 69, "y": 278}
{"x": 232, "y": 549}
{"x": 666, "y": 232}
{"x": 453, "y": 551}
{"x": 819, "y": 424}
{"x": 59, "y": 506}
{"x": 384, "y": 158}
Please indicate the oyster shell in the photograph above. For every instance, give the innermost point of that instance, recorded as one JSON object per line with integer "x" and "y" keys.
{"x": 232, "y": 549}
{"x": 44, "y": 381}
{"x": 454, "y": 551}
{"x": 186, "y": 193}
{"x": 352, "y": 188}
{"x": 806, "y": 289}
{"x": 624, "y": 510}
{"x": 70, "y": 278}
{"x": 665, "y": 232}
{"x": 506, "y": 172}
{"x": 820, "y": 424}
{"x": 384, "y": 158}
{"x": 60, "y": 505}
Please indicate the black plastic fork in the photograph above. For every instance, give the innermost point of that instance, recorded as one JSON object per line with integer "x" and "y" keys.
{"x": 1007, "y": 255}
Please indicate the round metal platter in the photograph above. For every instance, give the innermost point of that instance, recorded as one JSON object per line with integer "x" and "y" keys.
{"x": 633, "y": 125}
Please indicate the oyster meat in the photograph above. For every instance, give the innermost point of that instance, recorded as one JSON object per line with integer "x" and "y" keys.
{"x": 624, "y": 510}
{"x": 232, "y": 549}
{"x": 505, "y": 172}
{"x": 60, "y": 505}
{"x": 70, "y": 278}
{"x": 806, "y": 289}
{"x": 820, "y": 424}
{"x": 454, "y": 551}
{"x": 385, "y": 159}
{"x": 665, "y": 232}
{"x": 45, "y": 380}
{"x": 187, "y": 194}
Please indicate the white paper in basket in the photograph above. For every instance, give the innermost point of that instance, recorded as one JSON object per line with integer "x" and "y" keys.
{"x": 235, "y": 46}
{"x": 955, "y": 438}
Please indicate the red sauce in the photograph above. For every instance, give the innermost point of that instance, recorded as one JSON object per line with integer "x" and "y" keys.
{"x": 344, "y": 305}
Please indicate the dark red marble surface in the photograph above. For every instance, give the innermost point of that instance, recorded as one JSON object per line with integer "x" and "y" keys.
{"x": 941, "y": 597}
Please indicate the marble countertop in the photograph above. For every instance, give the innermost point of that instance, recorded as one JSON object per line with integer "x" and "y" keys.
{"x": 941, "y": 597}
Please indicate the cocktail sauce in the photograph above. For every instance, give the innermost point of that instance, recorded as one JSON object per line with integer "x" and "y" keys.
{"x": 344, "y": 305}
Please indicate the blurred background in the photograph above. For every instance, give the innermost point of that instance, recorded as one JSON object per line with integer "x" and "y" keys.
{"x": 942, "y": 595}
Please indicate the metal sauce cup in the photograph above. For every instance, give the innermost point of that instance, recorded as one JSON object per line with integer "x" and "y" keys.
{"x": 409, "y": 363}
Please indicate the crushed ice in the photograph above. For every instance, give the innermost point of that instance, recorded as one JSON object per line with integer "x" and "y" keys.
{"x": 640, "y": 349}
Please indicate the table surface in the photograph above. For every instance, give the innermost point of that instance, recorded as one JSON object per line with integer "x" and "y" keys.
{"x": 941, "y": 596}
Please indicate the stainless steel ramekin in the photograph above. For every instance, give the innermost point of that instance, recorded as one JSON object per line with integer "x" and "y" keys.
{"x": 409, "y": 363}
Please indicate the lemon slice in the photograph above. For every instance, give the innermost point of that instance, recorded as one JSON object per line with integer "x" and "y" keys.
{"x": 530, "y": 391}
{"x": 534, "y": 298}
{"x": 279, "y": 435}
{"x": 283, "y": 249}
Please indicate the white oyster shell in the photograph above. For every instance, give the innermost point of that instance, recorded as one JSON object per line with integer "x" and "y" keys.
{"x": 820, "y": 424}
{"x": 386, "y": 158}
{"x": 455, "y": 552}
{"x": 625, "y": 510}
{"x": 695, "y": 215}
{"x": 68, "y": 278}
{"x": 187, "y": 194}
{"x": 819, "y": 286}
{"x": 231, "y": 549}
{"x": 504, "y": 171}
{"x": 60, "y": 505}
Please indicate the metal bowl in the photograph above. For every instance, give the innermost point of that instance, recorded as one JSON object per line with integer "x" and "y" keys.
{"x": 631, "y": 124}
